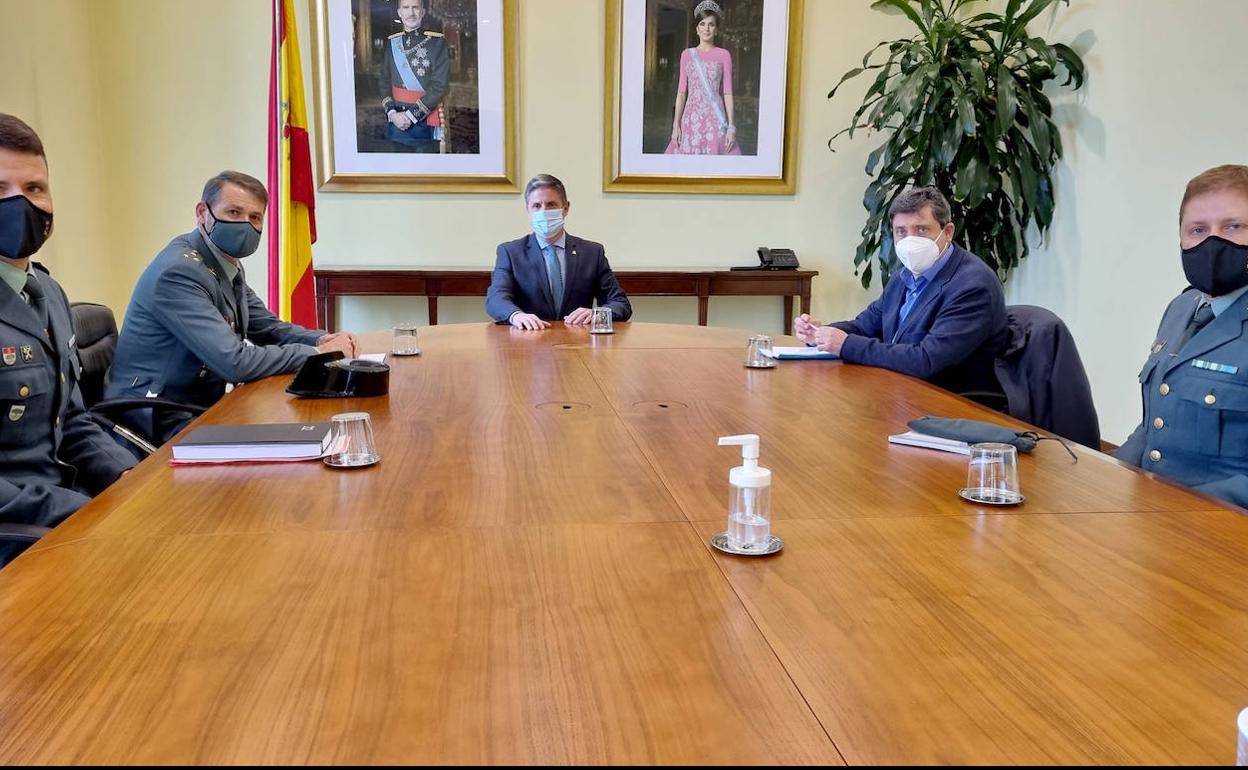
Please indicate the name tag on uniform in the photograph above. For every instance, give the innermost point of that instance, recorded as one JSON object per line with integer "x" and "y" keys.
{"x": 1212, "y": 367}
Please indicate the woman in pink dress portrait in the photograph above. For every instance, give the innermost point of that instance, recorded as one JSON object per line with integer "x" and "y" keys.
{"x": 703, "y": 123}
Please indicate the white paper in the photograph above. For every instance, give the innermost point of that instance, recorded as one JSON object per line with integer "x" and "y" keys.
{"x": 798, "y": 352}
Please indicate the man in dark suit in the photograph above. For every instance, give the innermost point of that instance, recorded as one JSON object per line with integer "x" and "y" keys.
{"x": 548, "y": 274}
{"x": 942, "y": 319}
{"x": 53, "y": 457}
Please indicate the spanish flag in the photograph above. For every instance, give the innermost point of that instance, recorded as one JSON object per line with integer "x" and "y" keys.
{"x": 292, "y": 216}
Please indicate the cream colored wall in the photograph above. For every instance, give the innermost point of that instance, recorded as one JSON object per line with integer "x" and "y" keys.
{"x": 179, "y": 89}
{"x": 50, "y": 79}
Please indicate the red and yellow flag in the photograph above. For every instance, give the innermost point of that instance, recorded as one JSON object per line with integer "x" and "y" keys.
{"x": 292, "y": 215}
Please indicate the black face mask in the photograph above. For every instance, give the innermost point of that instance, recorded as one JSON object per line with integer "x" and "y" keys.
{"x": 23, "y": 227}
{"x": 1216, "y": 266}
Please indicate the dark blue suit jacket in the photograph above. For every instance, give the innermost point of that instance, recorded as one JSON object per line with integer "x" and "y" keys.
{"x": 952, "y": 335}
{"x": 520, "y": 282}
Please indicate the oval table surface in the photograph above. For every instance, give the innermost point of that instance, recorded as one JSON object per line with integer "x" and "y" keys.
{"x": 525, "y": 577}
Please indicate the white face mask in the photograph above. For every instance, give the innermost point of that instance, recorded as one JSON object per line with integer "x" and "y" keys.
{"x": 547, "y": 222}
{"x": 917, "y": 253}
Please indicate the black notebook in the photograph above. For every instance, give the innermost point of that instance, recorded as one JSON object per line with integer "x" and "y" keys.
{"x": 254, "y": 442}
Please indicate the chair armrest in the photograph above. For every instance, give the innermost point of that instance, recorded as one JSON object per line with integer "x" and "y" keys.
{"x": 22, "y": 533}
{"x": 114, "y": 406}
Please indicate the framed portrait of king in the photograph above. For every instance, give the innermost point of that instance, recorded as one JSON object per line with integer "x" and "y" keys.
{"x": 415, "y": 95}
{"x": 701, "y": 95}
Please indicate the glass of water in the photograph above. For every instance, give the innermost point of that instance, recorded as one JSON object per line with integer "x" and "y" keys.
{"x": 352, "y": 441}
{"x": 404, "y": 340}
{"x": 601, "y": 321}
{"x": 755, "y": 358}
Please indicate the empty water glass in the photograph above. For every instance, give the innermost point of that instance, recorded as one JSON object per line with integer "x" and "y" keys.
{"x": 404, "y": 340}
{"x": 992, "y": 475}
{"x": 601, "y": 322}
{"x": 352, "y": 441}
{"x": 755, "y": 358}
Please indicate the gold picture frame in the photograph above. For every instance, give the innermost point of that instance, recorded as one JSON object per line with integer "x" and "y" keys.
{"x": 632, "y": 161}
{"x": 351, "y": 165}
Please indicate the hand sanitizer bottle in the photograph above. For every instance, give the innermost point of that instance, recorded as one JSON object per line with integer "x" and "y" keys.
{"x": 749, "y": 499}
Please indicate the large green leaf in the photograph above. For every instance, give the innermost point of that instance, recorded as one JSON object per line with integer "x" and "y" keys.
{"x": 905, "y": 7}
{"x": 1007, "y": 99}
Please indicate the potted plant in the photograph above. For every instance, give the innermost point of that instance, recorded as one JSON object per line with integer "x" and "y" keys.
{"x": 962, "y": 105}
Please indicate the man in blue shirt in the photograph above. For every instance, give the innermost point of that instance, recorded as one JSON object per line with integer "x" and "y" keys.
{"x": 941, "y": 319}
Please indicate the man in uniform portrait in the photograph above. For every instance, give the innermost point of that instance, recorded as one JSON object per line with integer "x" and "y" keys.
{"x": 414, "y": 72}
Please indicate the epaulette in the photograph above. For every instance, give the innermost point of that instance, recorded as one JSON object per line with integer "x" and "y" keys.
{"x": 192, "y": 255}
{"x": 434, "y": 34}
{"x": 396, "y": 34}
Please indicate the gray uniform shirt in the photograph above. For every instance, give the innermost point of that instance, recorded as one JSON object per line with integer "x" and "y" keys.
{"x": 1195, "y": 423}
{"x": 190, "y": 331}
{"x": 53, "y": 456}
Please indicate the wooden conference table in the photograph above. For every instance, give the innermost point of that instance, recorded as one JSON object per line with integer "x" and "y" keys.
{"x": 525, "y": 578}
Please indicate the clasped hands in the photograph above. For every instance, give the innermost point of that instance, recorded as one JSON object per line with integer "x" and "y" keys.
{"x": 828, "y": 339}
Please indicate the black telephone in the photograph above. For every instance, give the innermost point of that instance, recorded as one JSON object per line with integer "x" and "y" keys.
{"x": 774, "y": 259}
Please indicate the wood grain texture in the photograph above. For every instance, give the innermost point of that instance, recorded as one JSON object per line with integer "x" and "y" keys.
{"x": 1089, "y": 639}
{"x": 594, "y": 643}
{"x": 520, "y": 582}
{"x": 824, "y": 427}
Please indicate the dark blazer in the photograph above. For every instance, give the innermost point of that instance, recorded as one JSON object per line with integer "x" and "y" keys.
{"x": 1195, "y": 422}
{"x": 52, "y": 454}
{"x": 1043, "y": 377}
{"x": 951, "y": 335}
{"x": 520, "y": 282}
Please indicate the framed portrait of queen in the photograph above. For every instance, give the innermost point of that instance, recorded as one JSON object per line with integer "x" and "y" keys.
{"x": 415, "y": 95}
{"x": 701, "y": 95}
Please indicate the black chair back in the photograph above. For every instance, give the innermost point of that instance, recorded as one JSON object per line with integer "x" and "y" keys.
{"x": 1043, "y": 376}
{"x": 95, "y": 326}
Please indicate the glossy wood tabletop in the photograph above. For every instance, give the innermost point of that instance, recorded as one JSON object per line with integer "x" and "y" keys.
{"x": 524, "y": 578}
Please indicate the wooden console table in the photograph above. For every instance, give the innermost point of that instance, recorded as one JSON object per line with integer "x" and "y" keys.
{"x": 339, "y": 281}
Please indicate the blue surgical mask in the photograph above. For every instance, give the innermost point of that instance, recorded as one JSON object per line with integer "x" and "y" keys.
{"x": 547, "y": 222}
{"x": 238, "y": 239}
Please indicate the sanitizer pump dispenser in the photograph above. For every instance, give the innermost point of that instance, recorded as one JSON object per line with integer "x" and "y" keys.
{"x": 749, "y": 499}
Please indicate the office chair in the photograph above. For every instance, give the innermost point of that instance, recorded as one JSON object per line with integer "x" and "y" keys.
{"x": 1043, "y": 378}
{"x": 95, "y": 327}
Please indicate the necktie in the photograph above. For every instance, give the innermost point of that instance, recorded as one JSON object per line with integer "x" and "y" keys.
{"x": 556, "y": 277}
{"x": 240, "y": 301}
{"x": 1201, "y": 319}
{"x": 38, "y": 302}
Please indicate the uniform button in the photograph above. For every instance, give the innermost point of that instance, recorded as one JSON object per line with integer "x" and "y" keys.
{"x": 58, "y": 420}
{"x": 24, "y": 391}
{"x": 1165, "y": 389}
{"x": 1154, "y": 455}
{"x": 62, "y": 376}
{"x": 1159, "y": 423}
{"x": 1211, "y": 399}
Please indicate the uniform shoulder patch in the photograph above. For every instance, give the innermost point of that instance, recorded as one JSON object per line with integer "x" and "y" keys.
{"x": 396, "y": 34}
{"x": 192, "y": 255}
{"x": 434, "y": 34}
